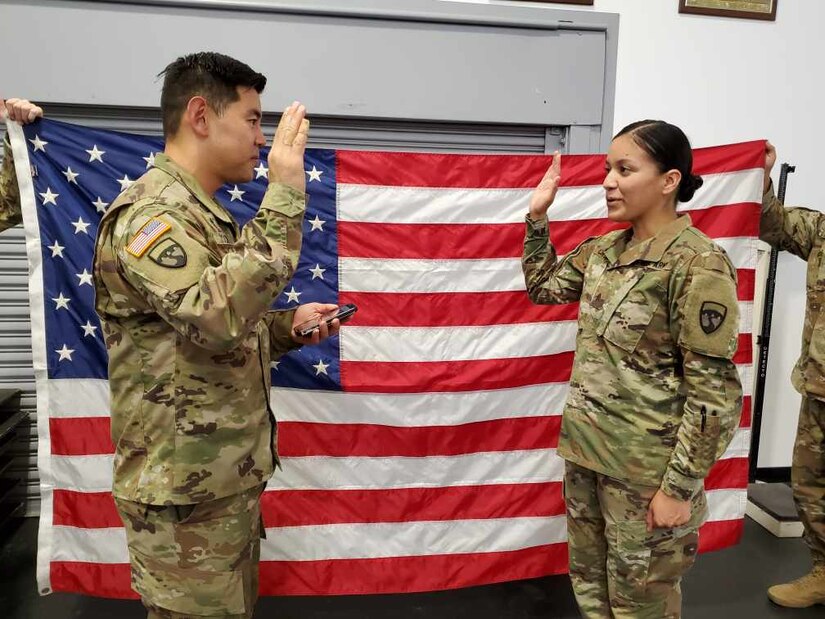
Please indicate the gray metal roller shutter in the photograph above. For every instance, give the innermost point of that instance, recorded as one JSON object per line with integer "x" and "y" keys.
{"x": 15, "y": 328}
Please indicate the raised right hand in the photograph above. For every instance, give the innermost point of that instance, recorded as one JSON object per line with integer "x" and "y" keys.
{"x": 286, "y": 157}
{"x": 545, "y": 192}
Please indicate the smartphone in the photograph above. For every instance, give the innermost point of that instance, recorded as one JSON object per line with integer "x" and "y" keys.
{"x": 342, "y": 313}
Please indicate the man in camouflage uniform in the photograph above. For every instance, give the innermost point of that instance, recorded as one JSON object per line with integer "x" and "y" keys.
{"x": 802, "y": 232}
{"x": 184, "y": 298}
{"x": 654, "y": 401}
{"x": 23, "y": 112}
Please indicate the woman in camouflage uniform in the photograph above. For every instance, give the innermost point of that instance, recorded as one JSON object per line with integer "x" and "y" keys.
{"x": 654, "y": 394}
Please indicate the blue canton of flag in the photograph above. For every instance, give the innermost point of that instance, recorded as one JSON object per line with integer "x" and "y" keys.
{"x": 78, "y": 173}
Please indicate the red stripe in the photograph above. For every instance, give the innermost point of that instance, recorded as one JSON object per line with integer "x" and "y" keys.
{"x": 295, "y": 508}
{"x": 80, "y": 436}
{"x": 105, "y": 580}
{"x": 720, "y": 534}
{"x": 730, "y": 158}
{"x": 512, "y": 171}
{"x": 450, "y": 376}
{"x": 745, "y": 412}
{"x": 746, "y": 284}
{"x": 87, "y": 510}
{"x": 726, "y": 474}
{"x": 451, "y": 309}
{"x": 478, "y": 241}
{"x": 410, "y": 574}
{"x": 728, "y": 221}
{"x": 298, "y": 439}
{"x": 744, "y": 350}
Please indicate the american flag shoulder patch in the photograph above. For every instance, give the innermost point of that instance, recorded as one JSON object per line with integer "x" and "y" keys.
{"x": 151, "y": 231}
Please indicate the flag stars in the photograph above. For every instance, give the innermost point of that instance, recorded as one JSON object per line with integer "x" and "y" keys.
{"x": 237, "y": 194}
{"x": 100, "y": 205}
{"x": 57, "y": 249}
{"x": 261, "y": 171}
{"x": 80, "y": 226}
{"x": 49, "y": 197}
{"x": 274, "y": 365}
{"x": 70, "y": 175}
{"x": 85, "y": 277}
{"x": 314, "y": 174}
{"x": 61, "y": 302}
{"x": 65, "y": 353}
{"x": 292, "y": 295}
{"x": 89, "y": 329}
{"x": 125, "y": 182}
{"x": 150, "y": 160}
{"x": 39, "y": 145}
{"x": 317, "y": 272}
{"x": 317, "y": 224}
{"x": 95, "y": 154}
{"x": 321, "y": 368}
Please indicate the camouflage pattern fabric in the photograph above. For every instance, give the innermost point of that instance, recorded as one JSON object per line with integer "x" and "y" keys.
{"x": 618, "y": 568}
{"x": 801, "y": 231}
{"x": 198, "y": 560}
{"x": 654, "y": 394}
{"x": 808, "y": 476}
{"x": 184, "y": 299}
{"x": 10, "y": 214}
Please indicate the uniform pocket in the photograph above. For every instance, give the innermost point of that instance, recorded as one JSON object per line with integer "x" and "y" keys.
{"x": 189, "y": 591}
{"x": 629, "y": 311}
{"x": 628, "y": 566}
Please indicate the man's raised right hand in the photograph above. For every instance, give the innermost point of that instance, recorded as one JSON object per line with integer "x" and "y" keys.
{"x": 286, "y": 157}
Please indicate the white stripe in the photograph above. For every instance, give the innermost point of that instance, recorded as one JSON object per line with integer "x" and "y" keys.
{"x": 727, "y": 504}
{"x": 385, "y": 275}
{"x": 446, "y": 205}
{"x": 746, "y": 373}
{"x": 408, "y": 344}
{"x": 418, "y": 409}
{"x": 488, "y": 275}
{"x": 83, "y": 473}
{"x": 739, "y": 446}
{"x": 79, "y": 397}
{"x": 347, "y": 541}
{"x": 727, "y": 188}
{"x": 494, "y": 467}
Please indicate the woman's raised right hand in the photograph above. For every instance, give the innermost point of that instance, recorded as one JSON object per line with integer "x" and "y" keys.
{"x": 545, "y": 192}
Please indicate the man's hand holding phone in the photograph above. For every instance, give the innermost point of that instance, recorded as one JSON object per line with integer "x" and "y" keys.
{"x": 314, "y": 322}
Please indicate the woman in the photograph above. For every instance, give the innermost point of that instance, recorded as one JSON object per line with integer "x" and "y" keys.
{"x": 654, "y": 395}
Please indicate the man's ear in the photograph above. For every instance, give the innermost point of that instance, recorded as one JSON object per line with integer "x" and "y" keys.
{"x": 196, "y": 116}
{"x": 672, "y": 179}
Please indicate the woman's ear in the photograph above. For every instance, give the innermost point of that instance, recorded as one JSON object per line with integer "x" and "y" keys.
{"x": 672, "y": 178}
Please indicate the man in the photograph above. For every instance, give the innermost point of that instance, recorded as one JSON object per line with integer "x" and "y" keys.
{"x": 24, "y": 112}
{"x": 802, "y": 232}
{"x": 184, "y": 299}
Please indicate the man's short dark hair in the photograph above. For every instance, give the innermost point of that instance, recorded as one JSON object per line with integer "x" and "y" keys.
{"x": 215, "y": 77}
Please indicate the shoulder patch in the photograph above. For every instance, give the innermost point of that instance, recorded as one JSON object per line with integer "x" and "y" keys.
{"x": 711, "y": 316}
{"x": 151, "y": 231}
{"x": 168, "y": 253}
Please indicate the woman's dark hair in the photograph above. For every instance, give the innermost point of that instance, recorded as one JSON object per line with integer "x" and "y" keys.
{"x": 669, "y": 147}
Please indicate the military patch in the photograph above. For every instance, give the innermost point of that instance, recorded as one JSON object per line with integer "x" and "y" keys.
{"x": 711, "y": 316}
{"x": 151, "y": 231}
{"x": 168, "y": 253}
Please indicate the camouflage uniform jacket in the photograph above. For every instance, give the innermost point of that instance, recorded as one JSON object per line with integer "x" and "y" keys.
{"x": 801, "y": 231}
{"x": 9, "y": 192}
{"x": 654, "y": 394}
{"x": 184, "y": 299}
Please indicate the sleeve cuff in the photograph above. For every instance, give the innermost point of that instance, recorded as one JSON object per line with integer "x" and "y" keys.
{"x": 768, "y": 197}
{"x": 284, "y": 199}
{"x": 536, "y": 226}
{"x": 679, "y": 486}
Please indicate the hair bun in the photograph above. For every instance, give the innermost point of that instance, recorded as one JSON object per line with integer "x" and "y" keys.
{"x": 688, "y": 187}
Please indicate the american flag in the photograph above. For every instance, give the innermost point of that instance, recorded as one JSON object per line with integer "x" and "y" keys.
{"x": 419, "y": 446}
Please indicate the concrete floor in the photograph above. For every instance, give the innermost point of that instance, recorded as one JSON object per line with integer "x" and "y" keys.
{"x": 726, "y": 585}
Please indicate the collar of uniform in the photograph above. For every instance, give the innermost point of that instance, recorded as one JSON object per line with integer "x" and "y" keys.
{"x": 165, "y": 163}
{"x": 652, "y": 249}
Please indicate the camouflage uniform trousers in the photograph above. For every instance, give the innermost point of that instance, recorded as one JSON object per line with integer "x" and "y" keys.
{"x": 618, "y": 568}
{"x": 808, "y": 475}
{"x": 198, "y": 560}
